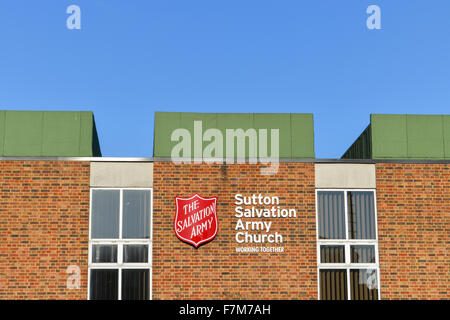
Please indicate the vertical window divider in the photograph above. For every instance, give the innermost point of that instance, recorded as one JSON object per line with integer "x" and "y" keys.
{"x": 119, "y": 294}
{"x": 120, "y": 213}
{"x": 349, "y": 291}
{"x": 347, "y": 246}
{"x": 347, "y": 253}
{"x": 120, "y": 254}
{"x": 120, "y": 245}
{"x": 347, "y": 237}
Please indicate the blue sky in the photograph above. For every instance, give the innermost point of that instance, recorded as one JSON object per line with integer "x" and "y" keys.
{"x": 132, "y": 58}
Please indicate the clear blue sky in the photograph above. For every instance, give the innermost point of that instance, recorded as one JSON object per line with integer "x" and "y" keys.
{"x": 132, "y": 58}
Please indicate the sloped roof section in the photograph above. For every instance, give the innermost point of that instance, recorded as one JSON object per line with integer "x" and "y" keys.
{"x": 401, "y": 136}
{"x": 48, "y": 133}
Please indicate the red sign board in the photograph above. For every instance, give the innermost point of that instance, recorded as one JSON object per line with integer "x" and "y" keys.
{"x": 196, "y": 219}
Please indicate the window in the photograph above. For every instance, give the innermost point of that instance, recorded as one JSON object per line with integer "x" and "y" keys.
{"x": 120, "y": 243}
{"x": 347, "y": 245}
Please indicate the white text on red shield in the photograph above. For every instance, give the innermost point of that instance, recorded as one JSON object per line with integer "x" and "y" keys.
{"x": 193, "y": 216}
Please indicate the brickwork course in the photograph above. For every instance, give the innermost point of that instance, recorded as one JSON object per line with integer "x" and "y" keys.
{"x": 413, "y": 229}
{"x": 44, "y": 225}
{"x": 216, "y": 270}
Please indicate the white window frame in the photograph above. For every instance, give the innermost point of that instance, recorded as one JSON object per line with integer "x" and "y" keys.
{"x": 120, "y": 265}
{"x": 347, "y": 242}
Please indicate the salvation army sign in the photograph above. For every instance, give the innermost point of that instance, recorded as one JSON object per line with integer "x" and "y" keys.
{"x": 196, "y": 219}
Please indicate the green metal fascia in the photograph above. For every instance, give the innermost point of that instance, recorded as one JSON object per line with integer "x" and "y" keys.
{"x": 411, "y": 136}
{"x": 296, "y": 131}
{"x": 48, "y": 134}
{"x": 401, "y": 136}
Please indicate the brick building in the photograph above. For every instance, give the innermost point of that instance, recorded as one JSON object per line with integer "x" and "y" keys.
{"x": 372, "y": 225}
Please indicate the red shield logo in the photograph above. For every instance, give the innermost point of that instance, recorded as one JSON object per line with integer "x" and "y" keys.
{"x": 196, "y": 219}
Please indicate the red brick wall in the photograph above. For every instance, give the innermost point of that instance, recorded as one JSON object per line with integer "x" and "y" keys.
{"x": 215, "y": 270}
{"x": 44, "y": 222}
{"x": 413, "y": 224}
{"x": 44, "y": 219}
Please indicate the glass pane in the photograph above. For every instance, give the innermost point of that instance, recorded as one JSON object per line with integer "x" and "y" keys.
{"x": 331, "y": 214}
{"x": 333, "y": 284}
{"x": 103, "y": 284}
{"x": 105, "y": 214}
{"x": 135, "y": 253}
{"x": 332, "y": 254}
{"x": 136, "y": 214}
{"x": 135, "y": 284}
{"x": 362, "y": 254}
{"x": 364, "y": 285}
{"x": 104, "y": 253}
{"x": 361, "y": 215}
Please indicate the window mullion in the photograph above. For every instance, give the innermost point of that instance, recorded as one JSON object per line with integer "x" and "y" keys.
{"x": 377, "y": 258}
{"x": 120, "y": 254}
{"x": 346, "y": 254}
{"x": 348, "y": 285}
{"x": 119, "y": 286}
{"x": 120, "y": 247}
{"x": 347, "y": 246}
{"x": 346, "y": 215}
{"x": 120, "y": 213}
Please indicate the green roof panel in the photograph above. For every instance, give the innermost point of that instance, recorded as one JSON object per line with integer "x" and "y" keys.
{"x": 302, "y": 126}
{"x": 2, "y": 132}
{"x": 168, "y": 122}
{"x": 290, "y": 145}
{"x": 418, "y": 137}
{"x": 425, "y": 137}
{"x": 389, "y": 136}
{"x": 48, "y": 133}
{"x": 61, "y": 133}
{"x": 446, "y": 130}
{"x": 23, "y": 133}
{"x": 276, "y": 121}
